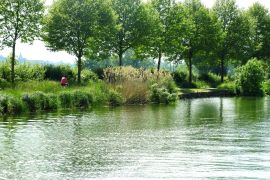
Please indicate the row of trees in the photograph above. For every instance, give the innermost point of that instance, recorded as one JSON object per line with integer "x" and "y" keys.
{"x": 160, "y": 29}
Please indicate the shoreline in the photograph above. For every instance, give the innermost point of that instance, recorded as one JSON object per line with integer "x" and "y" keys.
{"x": 206, "y": 93}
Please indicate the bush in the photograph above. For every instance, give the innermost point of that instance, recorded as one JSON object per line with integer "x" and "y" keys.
{"x": 40, "y": 101}
{"x": 228, "y": 86}
{"x": 180, "y": 76}
{"x": 5, "y": 71}
{"x": 250, "y": 77}
{"x": 87, "y": 75}
{"x": 200, "y": 85}
{"x": 4, "y": 84}
{"x": 25, "y": 72}
{"x": 65, "y": 99}
{"x": 162, "y": 95}
{"x": 56, "y": 72}
{"x": 115, "y": 98}
{"x": 81, "y": 99}
{"x": 266, "y": 87}
{"x": 210, "y": 78}
{"x": 10, "y": 105}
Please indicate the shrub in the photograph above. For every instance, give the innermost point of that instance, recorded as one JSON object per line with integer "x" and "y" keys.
{"x": 250, "y": 77}
{"x": 14, "y": 106}
{"x": 161, "y": 94}
{"x": 65, "y": 99}
{"x": 228, "y": 86}
{"x": 4, "y": 84}
{"x": 56, "y": 72}
{"x": 5, "y": 71}
{"x": 40, "y": 101}
{"x": 180, "y": 76}
{"x": 10, "y": 105}
{"x": 200, "y": 85}
{"x": 87, "y": 75}
{"x": 115, "y": 98}
{"x": 25, "y": 72}
{"x": 210, "y": 78}
{"x": 81, "y": 99}
{"x": 52, "y": 102}
{"x": 266, "y": 87}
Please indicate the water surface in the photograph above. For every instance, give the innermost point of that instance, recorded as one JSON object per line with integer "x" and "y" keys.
{"x": 217, "y": 138}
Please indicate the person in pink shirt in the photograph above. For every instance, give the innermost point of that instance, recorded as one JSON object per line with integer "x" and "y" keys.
{"x": 64, "y": 81}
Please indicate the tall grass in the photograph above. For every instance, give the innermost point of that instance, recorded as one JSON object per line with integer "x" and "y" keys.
{"x": 135, "y": 84}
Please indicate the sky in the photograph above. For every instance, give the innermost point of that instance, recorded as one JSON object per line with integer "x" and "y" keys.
{"x": 38, "y": 51}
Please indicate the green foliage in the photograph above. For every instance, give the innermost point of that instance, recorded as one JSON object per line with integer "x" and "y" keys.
{"x": 250, "y": 78}
{"x": 115, "y": 98}
{"x": 234, "y": 41}
{"x": 82, "y": 99}
{"x": 210, "y": 78}
{"x": 56, "y": 72}
{"x": 4, "y": 84}
{"x": 5, "y": 71}
{"x": 19, "y": 20}
{"x": 133, "y": 24}
{"x": 44, "y": 86}
{"x": 40, "y": 101}
{"x": 65, "y": 99}
{"x": 10, "y": 105}
{"x": 25, "y": 72}
{"x": 160, "y": 94}
{"x": 266, "y": 87}
{"x": 88, "y": 75}
{"x": 73, "y": 26}
{"x": 193, "y": 32}
{"x": 261, "y": 25}
{"x": 228, "y": 86}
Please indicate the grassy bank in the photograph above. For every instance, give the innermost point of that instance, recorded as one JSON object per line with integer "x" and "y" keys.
{"x": 120, "y": 86}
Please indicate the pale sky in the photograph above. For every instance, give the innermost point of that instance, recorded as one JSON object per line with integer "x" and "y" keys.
{"x": 38, "y": 51}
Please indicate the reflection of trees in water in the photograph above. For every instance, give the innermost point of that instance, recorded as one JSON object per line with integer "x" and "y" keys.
{"x": 204, "y": 111}
{"x": 249, "y": 110}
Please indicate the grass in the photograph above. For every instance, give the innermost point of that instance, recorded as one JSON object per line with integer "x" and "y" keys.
{"x": 34, "y": 96}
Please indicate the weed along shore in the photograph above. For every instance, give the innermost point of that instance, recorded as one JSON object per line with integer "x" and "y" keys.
{"x": 119, "y": 86}
{"x": 115, "y": 86}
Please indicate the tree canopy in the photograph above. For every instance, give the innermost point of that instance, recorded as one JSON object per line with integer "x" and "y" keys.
{"x": 72, "y": 25}
{"x": 19, "y": 20}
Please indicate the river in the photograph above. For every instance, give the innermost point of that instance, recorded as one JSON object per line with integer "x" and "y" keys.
{"x": 215, "y": 138}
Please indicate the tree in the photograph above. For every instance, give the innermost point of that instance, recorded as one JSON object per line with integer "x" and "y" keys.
{"x": 193, "y": 32}
{"x": 156, "y": 44}
{"x": 73, "y": 26}
{"x": 20, "y": 20}
{"x": 133, "y": 19}
{"x": 261, "y": 39}
{"x": 235, "y": 34}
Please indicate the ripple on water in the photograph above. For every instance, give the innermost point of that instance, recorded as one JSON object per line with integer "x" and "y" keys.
{"x": 195, "y": 139}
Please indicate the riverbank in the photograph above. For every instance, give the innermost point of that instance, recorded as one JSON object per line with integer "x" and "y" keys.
{"x": 49, "y": 96}
{"x": 205, "y": 93}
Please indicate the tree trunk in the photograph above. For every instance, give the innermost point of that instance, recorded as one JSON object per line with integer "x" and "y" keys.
{"x": 222, "y": 69}
{"x": 120, "y": 55}
{"x": 13, "y": 63}
{"x": 190, "y": 67}
{"x": 159, "y": 60}
{"x": 79, "y": 68}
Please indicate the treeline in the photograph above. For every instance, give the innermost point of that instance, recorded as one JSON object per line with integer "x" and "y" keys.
{"x": 158, "y": 29}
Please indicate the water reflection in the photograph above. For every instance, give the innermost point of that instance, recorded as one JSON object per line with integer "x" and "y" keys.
{"x": 202, "y": 138}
